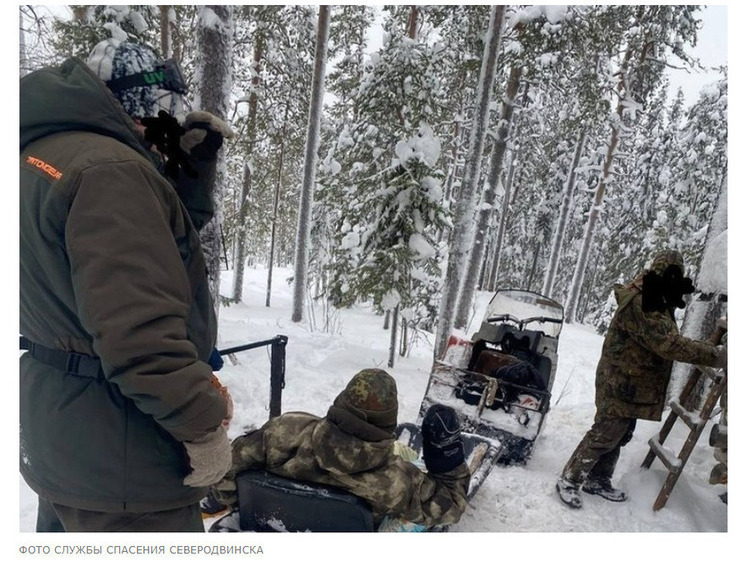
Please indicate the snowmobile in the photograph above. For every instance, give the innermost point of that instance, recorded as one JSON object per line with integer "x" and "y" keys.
{"x": 500, "y": 380}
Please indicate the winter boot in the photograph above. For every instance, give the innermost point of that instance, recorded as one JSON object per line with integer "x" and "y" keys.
{"x": 568, "y": 492}
{"x": 211, "y": 507}
{"x": 604, "y": 489}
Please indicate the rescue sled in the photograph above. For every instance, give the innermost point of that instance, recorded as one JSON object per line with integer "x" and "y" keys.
{"x": 271, "y": 503}
{"x": 500, "y": 380}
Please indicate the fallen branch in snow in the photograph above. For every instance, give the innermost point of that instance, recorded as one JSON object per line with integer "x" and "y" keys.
{"x": 562, "y": 391}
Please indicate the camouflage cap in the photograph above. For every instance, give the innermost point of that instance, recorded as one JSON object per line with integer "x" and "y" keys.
{"x": 664, "y": 259}
{"x": 372, "y": 395}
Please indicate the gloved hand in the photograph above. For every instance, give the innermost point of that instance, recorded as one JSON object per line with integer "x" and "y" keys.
{"x": 443, "y": 449}
{"x": 722, "y": 323}
{"x": 722, "y": 358}
{"x": 204, "y": 135}
{"x": 209, "y": 457}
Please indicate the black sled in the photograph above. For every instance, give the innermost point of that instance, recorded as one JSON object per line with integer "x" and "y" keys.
{"x": 270, "y": 503}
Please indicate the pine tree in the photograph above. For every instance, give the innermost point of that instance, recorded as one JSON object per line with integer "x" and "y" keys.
{"x": 461, "y": 234}
{"x": 213, "y": 78}
{"x": 310, "y": 163}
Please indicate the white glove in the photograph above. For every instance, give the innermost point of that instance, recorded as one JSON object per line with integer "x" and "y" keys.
{"x": 209, "y": 457}
{"x": 204, "y": 134}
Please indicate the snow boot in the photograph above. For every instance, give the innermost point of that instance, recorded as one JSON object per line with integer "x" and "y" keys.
{"x": 568, "y": 492}
{"x": 605, "y": 490}
{"x": 211, "y": 507}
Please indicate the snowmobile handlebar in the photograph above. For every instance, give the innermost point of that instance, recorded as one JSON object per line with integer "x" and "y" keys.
{"x": 523, "y": 323}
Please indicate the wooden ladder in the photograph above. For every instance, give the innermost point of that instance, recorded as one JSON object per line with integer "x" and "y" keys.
{"x": 696, "y": 421}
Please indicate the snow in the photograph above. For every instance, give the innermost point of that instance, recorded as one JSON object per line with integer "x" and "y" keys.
{"x": 422, "y": 147}
{"x": 513, "y": 499}
{"x": 712, "y": 276}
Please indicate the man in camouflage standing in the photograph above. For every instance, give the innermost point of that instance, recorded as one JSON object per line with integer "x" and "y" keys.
{"x": 633, "y": 374}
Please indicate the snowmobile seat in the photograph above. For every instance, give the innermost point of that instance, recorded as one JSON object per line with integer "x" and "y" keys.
{"x": 490, "y": 360}
{"x": 272, "y": 503}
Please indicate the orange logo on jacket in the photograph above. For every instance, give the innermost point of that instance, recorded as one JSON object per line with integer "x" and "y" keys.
{"x": 44, "y": 167}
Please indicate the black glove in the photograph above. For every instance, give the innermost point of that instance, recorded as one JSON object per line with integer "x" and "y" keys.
{"x": 443, "y": 449}
{"x": 166, "y": 134}
{"x": 204, "y": 135}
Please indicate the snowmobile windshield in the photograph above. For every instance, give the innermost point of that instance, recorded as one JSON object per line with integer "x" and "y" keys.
{"x": 528, "y": 310}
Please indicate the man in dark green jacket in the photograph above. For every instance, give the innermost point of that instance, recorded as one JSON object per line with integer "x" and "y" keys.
{"x": 121, "y": 426}
{"x": 633, "y": 373}
{"x": 353, "y": 448}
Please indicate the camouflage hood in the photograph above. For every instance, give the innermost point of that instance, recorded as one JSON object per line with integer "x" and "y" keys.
{"x": 624, "y": 294}
{"x": 664, "y": 259}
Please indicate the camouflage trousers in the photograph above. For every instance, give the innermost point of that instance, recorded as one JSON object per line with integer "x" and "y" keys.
{"x": 596, "y": 456}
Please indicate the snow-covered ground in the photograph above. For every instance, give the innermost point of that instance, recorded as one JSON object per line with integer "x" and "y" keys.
{"x": 513, "y": 499}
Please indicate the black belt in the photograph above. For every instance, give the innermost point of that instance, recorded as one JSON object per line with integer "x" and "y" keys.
{"x": 77, "y": 364}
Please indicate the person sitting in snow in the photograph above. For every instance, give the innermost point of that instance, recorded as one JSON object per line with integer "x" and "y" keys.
{"x": 353, "y": 448}
{"x": 633, "y": 373}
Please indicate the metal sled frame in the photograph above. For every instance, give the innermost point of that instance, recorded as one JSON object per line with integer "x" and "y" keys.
{"x": 467, "y": 378}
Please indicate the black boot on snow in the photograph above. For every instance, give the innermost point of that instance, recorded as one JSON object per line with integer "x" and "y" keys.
{"x": 211, "y": 507}
{"x": 605, "y": 490}
{"x": 568, "y": 492}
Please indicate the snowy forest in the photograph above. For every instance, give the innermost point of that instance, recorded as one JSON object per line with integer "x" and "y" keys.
{"x": 409, "y": 156}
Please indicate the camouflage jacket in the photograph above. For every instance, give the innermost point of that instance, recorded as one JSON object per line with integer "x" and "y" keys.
{"x": 304, "y": 447}
{"x": 636, "y": 363}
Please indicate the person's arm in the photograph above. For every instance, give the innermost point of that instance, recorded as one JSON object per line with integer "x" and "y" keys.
{"x": 248, "y": 452}
{"x": 658, "y": 333}
{"x": 134, "y": 297}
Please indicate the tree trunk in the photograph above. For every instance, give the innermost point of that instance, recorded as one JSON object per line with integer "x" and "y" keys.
{"x": 705, "y": 308}
{"x": 460, "y": 238}
{"x": 251, "y": 134}
{"x": 303, "y": 236}
{"x": 165, "y": 29}
{"x": 22, "y": 53}
{"x": 624, "y": 89}
{"x": 215, "y": 51}
{"x": 275, "y": 205}
{"x": 557, "y": 245}
{"x": 502, "y": 222}
{"x": 393, "y": 337}
{"x": 477, "y": 250}
{"x": 571, "y": 303}
{"x": 412, "y": 23}
{"x": 403, "y": 339}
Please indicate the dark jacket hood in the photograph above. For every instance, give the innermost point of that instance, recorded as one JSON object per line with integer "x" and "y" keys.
{"x": 70, "y": 97}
